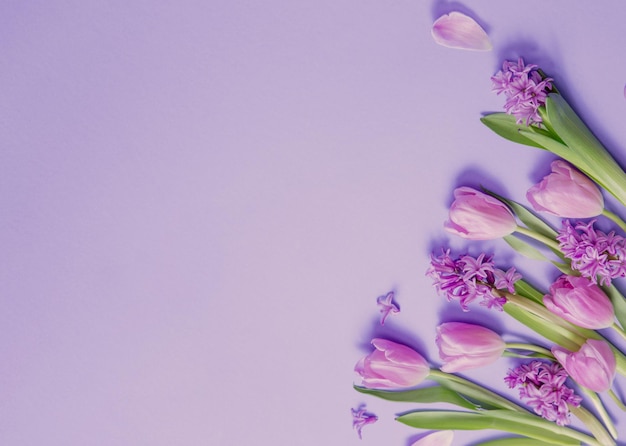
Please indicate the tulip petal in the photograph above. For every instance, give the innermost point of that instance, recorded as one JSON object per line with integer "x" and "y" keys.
{"x": 456, "y": 30}
{"x": 438, "y": 438}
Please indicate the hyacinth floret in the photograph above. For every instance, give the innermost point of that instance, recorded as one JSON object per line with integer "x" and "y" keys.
{"x": 468, "y": 278}
{"x": 598, "y": 256}
{"x": 524, "y": 88}
{"x": 542, "y": 387}
{"x": 361, "y": 418}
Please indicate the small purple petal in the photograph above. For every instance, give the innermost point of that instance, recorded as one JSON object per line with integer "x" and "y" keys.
{"x": 361, "y": 418}
{"x": 387, "y": 306}
{"x": 456, "y": 30}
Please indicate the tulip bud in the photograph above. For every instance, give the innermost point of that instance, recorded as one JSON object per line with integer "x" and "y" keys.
{"x": 566, "y": 193}
{"x": 581, "y": 302}
{"x": 593, "y": 366}
{"x": 392, "y": 366}
{"x": 437, "y": 438}
{"x": 477, "y": 216}
{"x": 467, "y": 346}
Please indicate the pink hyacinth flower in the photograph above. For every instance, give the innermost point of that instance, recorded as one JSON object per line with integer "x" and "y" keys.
{"x": 467, "y": 346}
{"x": 392, "y": 366}
{"x": 437, "y": 438}
{"x": 477, "y": 216}
{"x": 581, "y": 302}
{"x": 566, "y": 193}
{"x": 456, "y": 30}
{"x": 592, "y": 366}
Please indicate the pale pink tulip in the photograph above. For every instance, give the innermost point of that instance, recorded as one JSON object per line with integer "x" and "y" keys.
{"x": 477, "y": 216}
{"x": 456, "y": 30}
{"x": 438, "y": 438}
{"x": 566, "y": 193}
{"x": 592, "y": 366}
{"x": 392, "y": 366}
{"x": 580, "y": 302}
{"x": 467, "y": 346}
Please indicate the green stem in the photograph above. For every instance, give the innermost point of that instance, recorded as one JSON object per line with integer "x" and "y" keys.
{"x": 473, "y": 390}
{"x": 544, "y": 313}
{"x": 597, "y": 403}
{"x": 617, "y": 400}
{"x": 615, "y": 219}
{"x": 592, "y": 423}
{"x": 530, "y": 347}
{"x": 549, "y": 242}
{"x": 619, "y": 330}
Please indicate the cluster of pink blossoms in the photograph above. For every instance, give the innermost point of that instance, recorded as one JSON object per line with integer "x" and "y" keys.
{"x": 524, "y": 88}
{"x": 468, "y": 278}
{"x": 596, "y": 255}
{"x": 542, "y": 387}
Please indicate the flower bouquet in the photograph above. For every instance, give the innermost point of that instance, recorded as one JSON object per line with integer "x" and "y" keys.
{"x": 580, "y": 317}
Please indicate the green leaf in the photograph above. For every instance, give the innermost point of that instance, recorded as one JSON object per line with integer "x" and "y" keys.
{"x": 594, "y": 159}
{"x": 525, "y": 289}
{"x": 474, "y": 392}
{"x": 433, "y": 394}
{"x": 524, "y": 248}
{"x": 506, "y": 126}
{"x": 503, "y": 420}
{"x": 552, "y": 332}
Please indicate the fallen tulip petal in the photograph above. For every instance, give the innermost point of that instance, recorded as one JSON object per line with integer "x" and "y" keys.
{"x": 456, "y": 30}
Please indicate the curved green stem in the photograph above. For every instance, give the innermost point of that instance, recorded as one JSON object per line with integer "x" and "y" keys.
{"x": 551, "y": 243}
{"x": 615, "y": 219}
{"x": 617, "y": 400}
{"x": 545, "y": 314}
{"x": 606, "y": 419}
{"x": 594, "y": 425}
{"x": 473, "y": 390}
{"x": 530, "y": 347}
{"x": 619, "y": 331}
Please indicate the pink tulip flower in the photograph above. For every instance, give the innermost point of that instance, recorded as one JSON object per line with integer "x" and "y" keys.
{"x": 566, "y": 193}
{"x": 437, "y": 438}
{"x": 593, "y": 366}
{"x": 467, "y": 346}
{"x": 392, "y": 366}
{"x": 477, "y": 216}
{"x": 456, "y": 30}
{"x": 581, "y": 302}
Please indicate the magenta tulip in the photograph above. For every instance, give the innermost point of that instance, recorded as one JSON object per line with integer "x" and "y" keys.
{"x": 467, "y": 346}
{"x": 581, "y": 302}
{"x": 566, "y": 193}
{"x": 477, "y": 216}
{"x": 392, "y": 366}
{"x": 593, "y": 366}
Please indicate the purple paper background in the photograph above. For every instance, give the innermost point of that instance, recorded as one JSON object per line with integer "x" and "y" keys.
{"x": 201, "y": 201}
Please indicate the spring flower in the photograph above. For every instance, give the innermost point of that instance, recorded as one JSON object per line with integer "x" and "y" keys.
{"x": 581, "y": 302}
{"x": 437, "y": 438}
{"x": 361, "y": 418}
{"x": 566, "y": 193}
{"x": 542, "y": 386}
{"x": 392, "y": 366}
{"x": 387, "y": 306}
{"x": 592, "y": 366}
{"x": 456, "y": 30}
{"x": 467, "y": 346}
{"x": 468, "y": 278}
{"x": 596, "y": 255}
{"x": 477, "y": 216}
{"x": 524, "y": 88}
